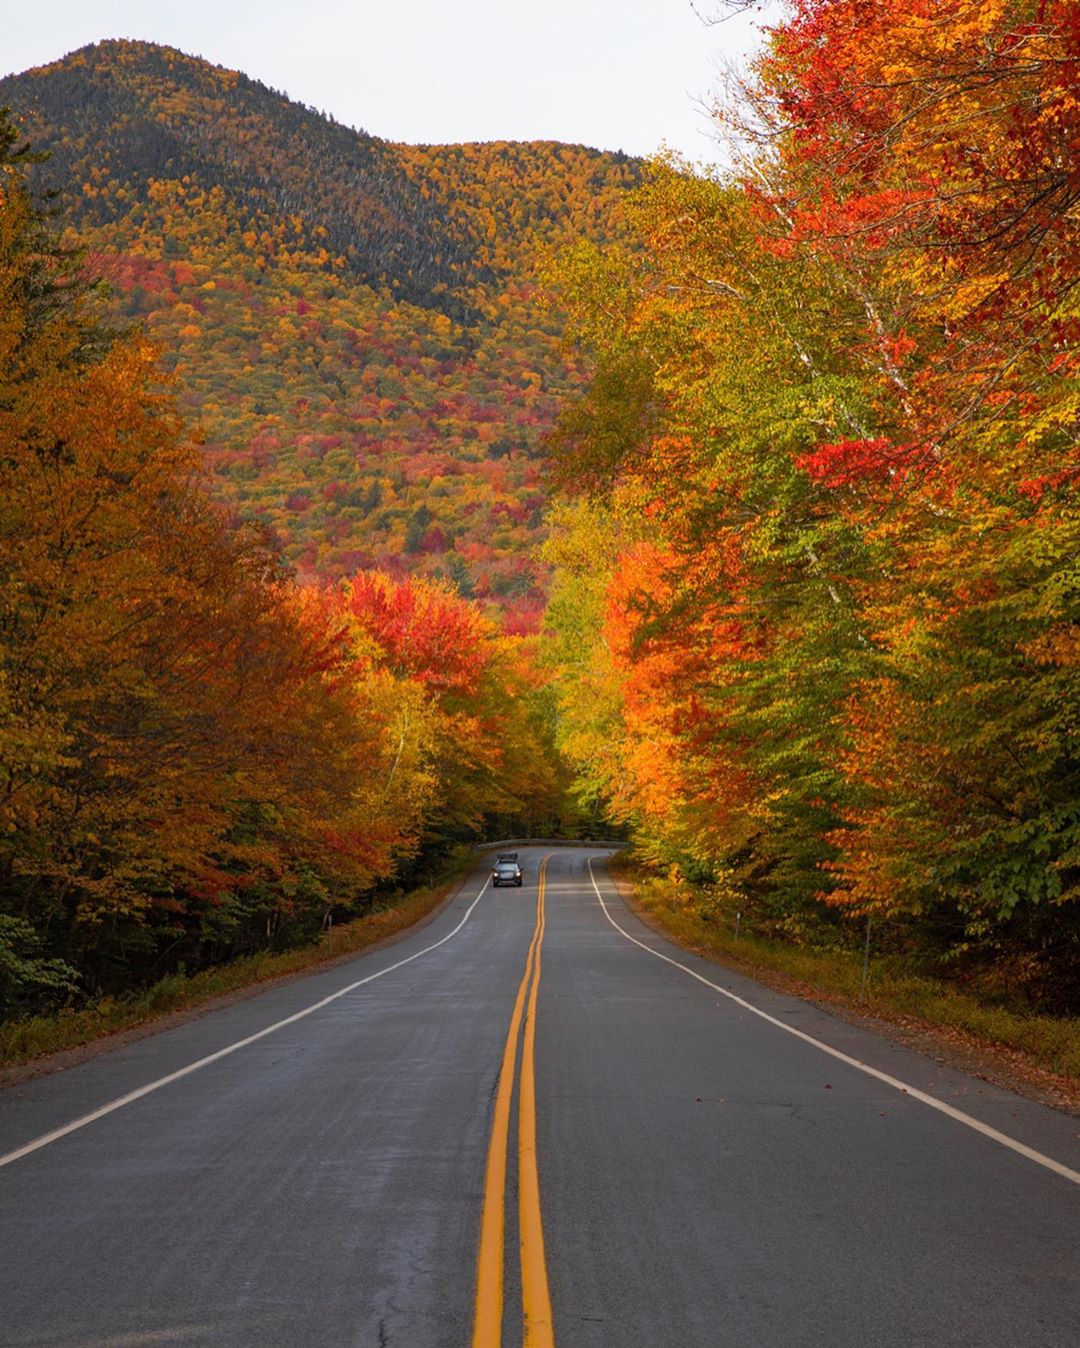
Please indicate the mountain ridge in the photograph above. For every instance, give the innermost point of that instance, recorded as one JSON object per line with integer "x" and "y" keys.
{"x": 354, "y": 323}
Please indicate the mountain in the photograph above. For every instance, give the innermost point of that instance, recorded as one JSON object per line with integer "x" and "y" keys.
{"x": 355, "y": 326}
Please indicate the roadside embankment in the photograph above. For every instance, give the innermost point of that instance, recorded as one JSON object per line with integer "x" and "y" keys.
{"x": 34, "y": 1045}
{"x": 1035, "y": 1053}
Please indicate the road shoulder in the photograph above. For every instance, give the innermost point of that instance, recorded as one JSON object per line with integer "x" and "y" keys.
{"x": 983, "y": 1060}
{"x": 48, "y": 1063}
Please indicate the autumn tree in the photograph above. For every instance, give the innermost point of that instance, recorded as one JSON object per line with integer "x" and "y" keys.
{"x": 853, "y": 369}
{"x": 197, "y": 756}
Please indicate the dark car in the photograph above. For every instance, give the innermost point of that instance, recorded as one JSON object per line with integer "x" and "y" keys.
{"x": 507, "y": 871}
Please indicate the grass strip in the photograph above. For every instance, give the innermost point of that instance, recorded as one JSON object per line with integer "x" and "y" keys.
{"x": 1050, "y": 1042}
{"x": 36, "y": 1036}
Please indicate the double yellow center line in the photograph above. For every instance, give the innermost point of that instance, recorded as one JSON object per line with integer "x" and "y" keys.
{"x": 535, "y": 1298}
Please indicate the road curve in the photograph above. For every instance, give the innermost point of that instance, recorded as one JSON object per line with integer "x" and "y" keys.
{"x": 696, "y": 1174}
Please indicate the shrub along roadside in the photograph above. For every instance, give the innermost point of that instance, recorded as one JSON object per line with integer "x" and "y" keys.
{"x": 36, "y": 1036}
{"x": 1050, "y": 1043}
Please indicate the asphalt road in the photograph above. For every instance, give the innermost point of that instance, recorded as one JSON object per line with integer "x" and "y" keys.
{"x": 705, "y": 1177}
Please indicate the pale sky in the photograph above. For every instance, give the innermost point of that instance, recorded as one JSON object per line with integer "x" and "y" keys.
{"x": 614, "y": 74}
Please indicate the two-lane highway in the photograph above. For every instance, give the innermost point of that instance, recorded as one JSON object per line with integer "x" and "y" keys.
{"x": 381, "y": 1153}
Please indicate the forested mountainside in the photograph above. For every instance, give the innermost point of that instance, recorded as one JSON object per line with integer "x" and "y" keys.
{"x": 354, "y": 325}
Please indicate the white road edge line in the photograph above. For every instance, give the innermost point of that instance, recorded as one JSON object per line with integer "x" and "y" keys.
{"x": 57, "y": 1133}
{"x": 958, "y": 1114}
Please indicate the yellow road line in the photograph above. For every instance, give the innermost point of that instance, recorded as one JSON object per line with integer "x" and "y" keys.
{"x": 535, "y": 1296}
{"x": 487, "y": 1324}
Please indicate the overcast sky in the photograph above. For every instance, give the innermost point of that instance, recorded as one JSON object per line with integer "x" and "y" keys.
{"x": 615, "y": 74}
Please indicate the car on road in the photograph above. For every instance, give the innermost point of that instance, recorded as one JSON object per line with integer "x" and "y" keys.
{"x": 506, "y": 870}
